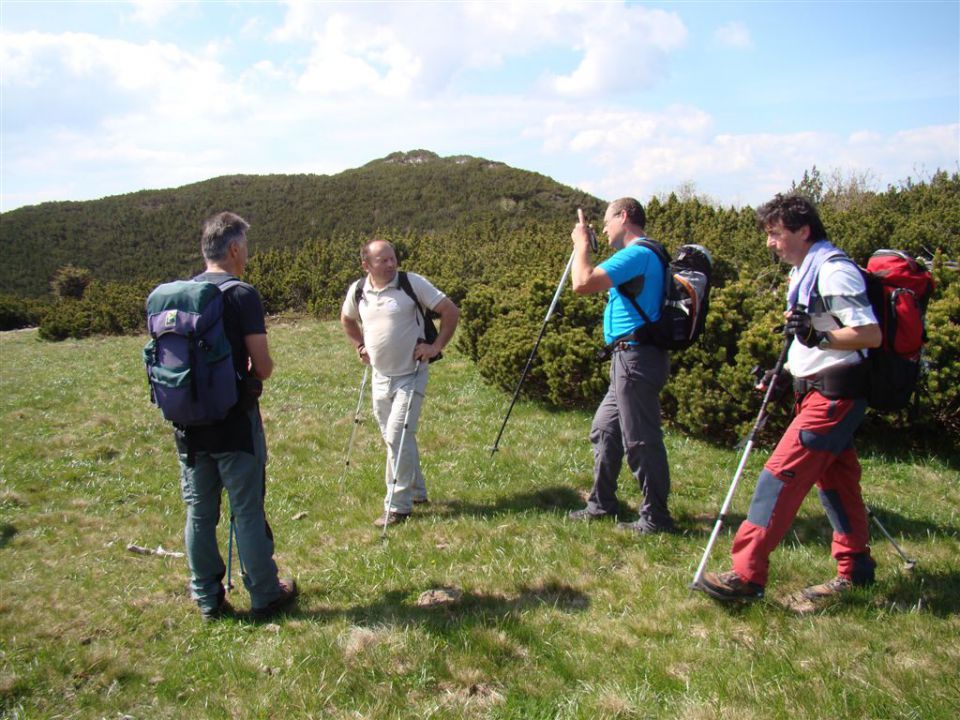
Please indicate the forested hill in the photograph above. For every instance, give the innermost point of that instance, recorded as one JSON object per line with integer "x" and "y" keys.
{"x": 154, "y": 234}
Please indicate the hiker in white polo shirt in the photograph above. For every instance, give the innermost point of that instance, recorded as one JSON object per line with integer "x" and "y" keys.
{"x": 387, "y": 328}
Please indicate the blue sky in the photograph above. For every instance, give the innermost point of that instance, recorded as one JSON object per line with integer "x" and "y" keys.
{"x": 731, "y": 100}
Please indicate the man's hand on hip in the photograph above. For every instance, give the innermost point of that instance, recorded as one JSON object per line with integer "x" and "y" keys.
{"x": 425, "y": 351}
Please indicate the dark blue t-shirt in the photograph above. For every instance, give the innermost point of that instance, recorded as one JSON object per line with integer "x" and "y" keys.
{"x": 242, "y": 315}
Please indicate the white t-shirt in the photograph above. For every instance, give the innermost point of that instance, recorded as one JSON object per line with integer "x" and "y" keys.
{"x": 391, "y": 322}
{"x": 840, "y": 301}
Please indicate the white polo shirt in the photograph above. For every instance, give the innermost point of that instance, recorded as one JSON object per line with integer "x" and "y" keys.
{"x": 840, "y": 301}
{"x": 391, "y": 322}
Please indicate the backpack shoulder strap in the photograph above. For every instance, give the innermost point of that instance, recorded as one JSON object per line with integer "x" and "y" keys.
{"x": 231, "y": 283}
{"x": 658, "y": 249}
{"x": 358, "y": 291}
{"x": 404, "y": 282}
{"x": 661, "y": 252}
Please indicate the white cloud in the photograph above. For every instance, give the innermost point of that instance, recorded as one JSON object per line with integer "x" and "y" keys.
{"x": 624, "y": 49}
{"x": 344, "y": 60}
{"x": 733, "y": 34}
{"x": 649, "y": 153}
{"x": 400, "y": 49}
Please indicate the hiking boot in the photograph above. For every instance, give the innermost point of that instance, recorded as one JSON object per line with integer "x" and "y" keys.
{"x": 288, "y": 586}
{"x": 729, "y": 586}
{"x": 831, "y": 588}
{"x": 393, "y": 518}
{"x": 644, "y": 527}
{"x": 584, "y": 515}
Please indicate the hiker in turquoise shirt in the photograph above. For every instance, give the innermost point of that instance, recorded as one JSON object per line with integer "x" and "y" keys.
{"x": 628, "y": 419}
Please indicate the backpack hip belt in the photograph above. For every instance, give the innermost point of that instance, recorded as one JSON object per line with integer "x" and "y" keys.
{"x": 842, "y": 382}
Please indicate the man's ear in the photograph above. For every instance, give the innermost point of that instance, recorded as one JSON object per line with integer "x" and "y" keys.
{"x": 806, "y": 233}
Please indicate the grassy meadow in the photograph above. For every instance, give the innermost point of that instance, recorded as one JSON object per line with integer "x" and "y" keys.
{"x": 555, "y": 620}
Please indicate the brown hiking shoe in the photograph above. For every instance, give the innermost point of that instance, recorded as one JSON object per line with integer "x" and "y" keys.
{"x": 729, "y": 587}
{"x": 831, "y": 588}
{"x": 289, "y": 588}
{"x": 393, "y": 518}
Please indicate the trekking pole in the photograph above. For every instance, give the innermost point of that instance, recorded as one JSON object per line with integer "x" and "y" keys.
{"x": 353, "y": 432}
{"x": 230, "y": 557}
{"x": 233, "y": 530}
{"x": 748, "y": 446}
{"x": 396, "y": 459}
{"x": 543, "y": 328}
{"x": 908, "y": 564}
{"x": 533, "y": 352}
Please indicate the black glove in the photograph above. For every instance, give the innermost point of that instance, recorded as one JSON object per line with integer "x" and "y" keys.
{"x": 800, "y": 325}
{"x": 784, "y": 383}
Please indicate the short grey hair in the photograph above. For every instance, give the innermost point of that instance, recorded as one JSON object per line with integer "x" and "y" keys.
{"x": 220, "y": 233}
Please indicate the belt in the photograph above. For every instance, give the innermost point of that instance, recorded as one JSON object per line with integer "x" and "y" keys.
{"x": 845, "y": 381}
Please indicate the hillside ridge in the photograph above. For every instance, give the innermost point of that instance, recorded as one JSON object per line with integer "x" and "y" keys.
{"x": 153, "y": 233}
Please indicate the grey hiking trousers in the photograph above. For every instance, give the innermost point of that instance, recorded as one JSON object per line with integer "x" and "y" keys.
{"x": 628, "y": 422}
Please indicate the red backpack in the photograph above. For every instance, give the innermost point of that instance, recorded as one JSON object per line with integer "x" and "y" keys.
{"x": 899, "y": 289}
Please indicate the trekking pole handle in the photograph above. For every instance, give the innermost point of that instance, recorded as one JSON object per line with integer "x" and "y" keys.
{"x": 591, "y": 235}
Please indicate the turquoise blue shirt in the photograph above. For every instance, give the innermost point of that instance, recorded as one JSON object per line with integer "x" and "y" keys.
{"x": 620, "y": 317}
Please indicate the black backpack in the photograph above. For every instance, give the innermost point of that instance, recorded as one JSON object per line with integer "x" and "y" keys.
{"x": 686, "y": 297}
{"x": 430, "y": 331}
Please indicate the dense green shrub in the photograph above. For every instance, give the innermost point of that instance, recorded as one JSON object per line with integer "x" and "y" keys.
{"x": 941, "y": 401}
{"x": 18, "y": 312}
{"x": 105, "y": 309}
{"x": 70, "y": 282}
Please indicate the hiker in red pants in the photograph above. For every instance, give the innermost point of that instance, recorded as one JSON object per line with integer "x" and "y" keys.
{"x": 832, "y": 324}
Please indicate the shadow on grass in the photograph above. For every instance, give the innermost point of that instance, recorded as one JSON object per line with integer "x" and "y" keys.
{"x": 546, "y": 500}
{"x": 933, "y": 592}
{"x": 399, "y": 607}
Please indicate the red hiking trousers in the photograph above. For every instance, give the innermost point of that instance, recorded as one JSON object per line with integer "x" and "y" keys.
{"x": 817, "y": 448}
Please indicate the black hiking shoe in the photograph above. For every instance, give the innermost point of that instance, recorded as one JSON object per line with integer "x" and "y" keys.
{"x": 289, "y": 588}
{"x": 729, "y": 587}
{"x": 584, "y": 515}
{"x": 224, "y": 609}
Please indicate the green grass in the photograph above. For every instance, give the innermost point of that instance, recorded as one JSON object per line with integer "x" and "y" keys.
{"x": 556, "y": 620}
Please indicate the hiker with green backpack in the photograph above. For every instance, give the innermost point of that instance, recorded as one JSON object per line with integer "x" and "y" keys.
{"x": 206, "y": 361}
{"x": 387, "y": 317}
